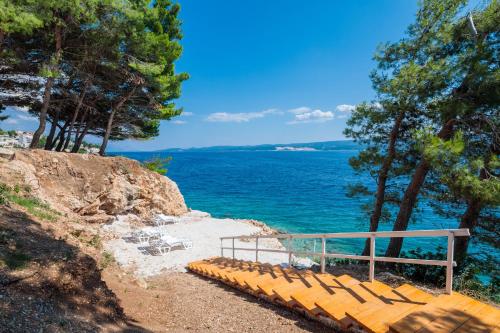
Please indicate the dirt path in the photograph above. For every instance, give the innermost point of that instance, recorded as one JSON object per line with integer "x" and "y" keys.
{"x": 183, "y": 302}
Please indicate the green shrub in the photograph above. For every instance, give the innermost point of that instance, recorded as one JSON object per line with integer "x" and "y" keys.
{"x": 106, "y": 259}
{"x": 157, "y": 164}
{"x": 4, "y": 190}
{"x": 435, "y": 275}
{"x": 33, "y": 205}
{"x": 95, "y": 241}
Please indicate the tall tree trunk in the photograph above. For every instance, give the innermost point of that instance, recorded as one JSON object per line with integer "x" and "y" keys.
{"x": 411, "y": 193}
{"x": 79, "y": 128}
{"x": 469, "y": 220}
{"x": 58, "y": 136}
{"x": 75, "y": 115}
{"x": 109, "y": 125}
{"x": 2, "y": 37}
{"x": 382, "y": 179}
{"x": 43, "y": 113}
{"x": 61, "y": 136}
{"x": 79, "y": 140}
{"x": 47, "y": 92}
{"x": 52, "y": 132}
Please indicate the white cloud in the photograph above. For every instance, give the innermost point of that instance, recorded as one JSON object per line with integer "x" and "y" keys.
{"x": 308, "y": 115}
{"x": 345, "y": 107}
{"x": 27, "y": 118}
{"x": 11, "y": 121}
{"x": 302, "y": 109}
{"x": 242, "y": 117}
{"x": 179, "y": 122}
{"x": 187, "y": 114}
{"x": 24, "y": 109}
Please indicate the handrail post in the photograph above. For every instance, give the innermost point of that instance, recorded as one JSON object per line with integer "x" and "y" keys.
{"x": 449, "y": 264}
{"x": 221, "y": 249}
{"x": 257, "y": 249}
{"x": 323, "y": 252}
{"x": 372, "y": 258}
{"x": 289, "y": 245}
{"x": 233, "y": 248}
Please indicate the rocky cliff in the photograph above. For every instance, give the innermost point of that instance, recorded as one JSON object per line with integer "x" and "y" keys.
{"x": 93, "y": 187}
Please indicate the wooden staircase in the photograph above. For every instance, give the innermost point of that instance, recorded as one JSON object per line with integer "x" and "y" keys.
{"x": 348, "y": 303}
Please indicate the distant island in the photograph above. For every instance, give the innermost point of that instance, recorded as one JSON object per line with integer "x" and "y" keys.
{"x": 310, "y": 146}
{"x": 295, "y": 149}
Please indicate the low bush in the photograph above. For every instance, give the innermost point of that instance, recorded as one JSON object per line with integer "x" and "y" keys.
{"x": 106, "y": 259}
{"x": 157, "y": 164}
{"x": 21, "y": 197}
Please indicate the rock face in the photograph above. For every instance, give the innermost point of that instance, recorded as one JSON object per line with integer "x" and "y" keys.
{"x": 94, "y": 187}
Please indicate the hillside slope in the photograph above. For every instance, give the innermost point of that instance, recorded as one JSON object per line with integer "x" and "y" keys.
{"x": 93, "y": 187}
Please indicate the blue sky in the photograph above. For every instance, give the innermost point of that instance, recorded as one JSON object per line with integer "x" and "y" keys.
{"x": 272, "y": 71}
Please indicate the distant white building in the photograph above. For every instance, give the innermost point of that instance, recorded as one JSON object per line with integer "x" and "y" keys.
{"x": 93, "y": 150}
{"x": 20, "y": 139}
{"x": 24, "y": 138}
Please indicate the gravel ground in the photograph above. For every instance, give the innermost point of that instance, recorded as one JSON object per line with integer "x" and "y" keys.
{"x": 184, "y": 302}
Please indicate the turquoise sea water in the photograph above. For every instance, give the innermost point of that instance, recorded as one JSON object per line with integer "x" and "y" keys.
{"x": 294, "y": 191}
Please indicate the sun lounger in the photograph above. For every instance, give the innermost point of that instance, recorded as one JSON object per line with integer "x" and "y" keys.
{"x": 162, "y": 220}
{"x": 147, "y": 234}
{"x": 166, "y": 243}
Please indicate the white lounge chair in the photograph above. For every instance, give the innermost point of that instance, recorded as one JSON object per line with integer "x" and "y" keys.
{"x": 166, "y": 243}
{"x": 147, "y": 234}
{"x": 162, "y": 220}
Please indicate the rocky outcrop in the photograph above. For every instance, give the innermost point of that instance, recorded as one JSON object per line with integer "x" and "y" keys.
{"x": 94, "y": 187}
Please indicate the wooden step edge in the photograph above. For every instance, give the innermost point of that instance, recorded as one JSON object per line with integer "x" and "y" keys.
{"x": 341, "y": 302}
{"x": 378, "y": 322}
{"x": 439, "y": 304}
{"x": 281, "y": 282}
{"x": 457, "y": 316}
{"x": 361, "y": 315}
{"x": 490, "y": 322}
{"x": 284, "y": 292}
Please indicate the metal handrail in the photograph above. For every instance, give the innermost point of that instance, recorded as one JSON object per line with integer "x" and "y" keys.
{"x": 449, "y": 262}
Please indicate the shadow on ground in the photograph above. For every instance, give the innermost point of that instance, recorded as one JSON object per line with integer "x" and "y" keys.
{"x": 48, "y": 285}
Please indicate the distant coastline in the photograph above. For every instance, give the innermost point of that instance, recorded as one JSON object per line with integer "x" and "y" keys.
{"x": 295, "y": 149}
{"x": 307, "y": 146}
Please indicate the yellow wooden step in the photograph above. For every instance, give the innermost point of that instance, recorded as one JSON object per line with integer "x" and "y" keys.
{"x": 237, "y": 277}
{"x": 313, "y": 286}
{"x": 449, "y": 313}
{"x": 200, "y": 267}
{"x": 253, "y": 281}
{"x": 307, "y": 281}
{"x": 248, "y": 279}
{"x": 373, "y": 306}
{"x": 418, "y": 319}
{"x": 307, "y": 298}
{"x": 391, "y": 297}
{"x": 235, "y": 267}
{"x": 488, "y": 320}
{"x": 335, "y": 306}
{"x": 290, "y": 278}
{"x": 456, "y": 318}
{"x": 376, "y": 318}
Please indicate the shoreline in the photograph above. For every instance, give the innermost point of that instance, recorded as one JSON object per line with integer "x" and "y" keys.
{"x": 201, "y": 228}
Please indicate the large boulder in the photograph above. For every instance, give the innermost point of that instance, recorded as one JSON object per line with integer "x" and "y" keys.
{"x": 94, "y": 187}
